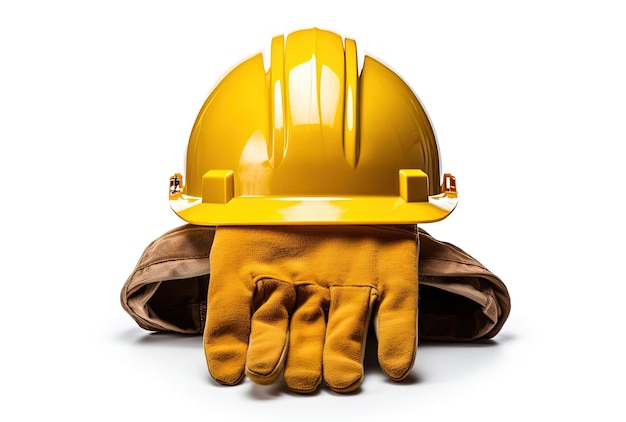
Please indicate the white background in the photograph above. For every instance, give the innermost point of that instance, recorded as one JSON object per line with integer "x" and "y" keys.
{"x": 97, "y": 100}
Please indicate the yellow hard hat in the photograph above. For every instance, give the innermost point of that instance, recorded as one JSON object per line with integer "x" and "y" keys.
{"x": 312, "y": 141}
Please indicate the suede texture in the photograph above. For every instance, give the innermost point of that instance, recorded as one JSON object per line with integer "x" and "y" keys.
{"x": 258, "y": 273}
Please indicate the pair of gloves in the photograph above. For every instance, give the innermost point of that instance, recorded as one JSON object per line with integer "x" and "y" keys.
{"x": 299, "y": 300}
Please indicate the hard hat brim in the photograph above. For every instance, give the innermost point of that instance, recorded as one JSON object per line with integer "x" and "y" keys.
{"x": 268, "y": 210}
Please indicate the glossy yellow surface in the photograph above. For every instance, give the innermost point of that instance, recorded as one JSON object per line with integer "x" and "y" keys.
{"x": 312, "y": 142}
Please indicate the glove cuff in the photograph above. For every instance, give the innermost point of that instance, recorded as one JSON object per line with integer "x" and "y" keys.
{"x": 168, "y": 287}
{"x": 460, "y": 299}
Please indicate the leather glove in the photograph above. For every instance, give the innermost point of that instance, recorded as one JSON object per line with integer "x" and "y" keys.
{"x": 301, "y": 298}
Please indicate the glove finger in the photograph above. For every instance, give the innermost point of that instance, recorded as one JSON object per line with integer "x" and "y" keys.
{"x": 269, "y": 331}
{"x": 303, "y": 370}
{"x": 396, "y": 330}
{"x": 226, "y": 331}
{"x": 348, "y": 318}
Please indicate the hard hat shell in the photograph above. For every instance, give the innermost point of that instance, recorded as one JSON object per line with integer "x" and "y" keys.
{"x": 312, "y": 141}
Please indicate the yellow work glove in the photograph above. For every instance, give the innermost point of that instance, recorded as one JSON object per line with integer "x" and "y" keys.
{"x": 301, "y": 298}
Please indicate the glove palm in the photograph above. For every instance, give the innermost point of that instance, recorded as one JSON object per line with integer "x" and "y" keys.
{"x": 301, "y": 297}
